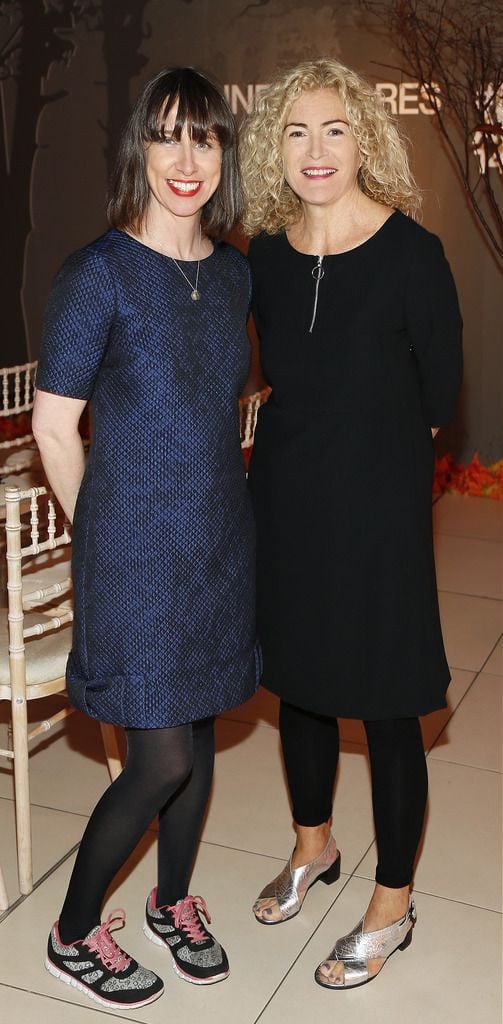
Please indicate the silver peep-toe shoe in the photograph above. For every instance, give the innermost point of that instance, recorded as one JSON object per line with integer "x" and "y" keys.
{"x": 347, "y": 964}
{"x": 291, "y": 885}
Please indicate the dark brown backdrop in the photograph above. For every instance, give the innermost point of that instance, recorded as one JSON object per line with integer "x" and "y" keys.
{"x": 68, "y": 74}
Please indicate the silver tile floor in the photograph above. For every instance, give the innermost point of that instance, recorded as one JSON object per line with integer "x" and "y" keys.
{"x": 452, "y": 971}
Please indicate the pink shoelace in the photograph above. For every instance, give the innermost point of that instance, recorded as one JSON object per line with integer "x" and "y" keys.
{"x": 111, "y": 955}
{"x": 186, "y": 917}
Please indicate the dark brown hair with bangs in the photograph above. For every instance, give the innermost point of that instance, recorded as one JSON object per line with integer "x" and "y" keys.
{"x": 205, "y": 111}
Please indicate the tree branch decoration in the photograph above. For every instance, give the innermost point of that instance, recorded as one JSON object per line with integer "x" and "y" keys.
{"x": 454, "y": 49}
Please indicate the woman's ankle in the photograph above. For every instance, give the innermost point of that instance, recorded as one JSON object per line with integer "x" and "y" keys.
{"x": 386, "y": 906}
{"x": 311, "y": 841}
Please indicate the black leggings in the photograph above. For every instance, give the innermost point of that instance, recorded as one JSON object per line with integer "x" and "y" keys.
{"x": 399, "y": 782}
{"x": 167, "y": 772}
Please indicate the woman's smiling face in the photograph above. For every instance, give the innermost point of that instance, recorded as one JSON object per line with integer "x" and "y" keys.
{"x": 321, "y": 158}
{"x": 182, "y": 176}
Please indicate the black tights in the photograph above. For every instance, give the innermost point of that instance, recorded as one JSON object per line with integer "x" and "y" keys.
{"x": 167, "y": 771}
{"x": 399, "y": 782}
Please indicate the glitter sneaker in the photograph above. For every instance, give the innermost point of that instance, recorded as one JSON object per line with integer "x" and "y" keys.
{"x": 102, "y": 970}
{"x": 197, "y": 956}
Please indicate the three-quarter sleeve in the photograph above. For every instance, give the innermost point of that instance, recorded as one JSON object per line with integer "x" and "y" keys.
{"x": 77, "y": 324}
{"x": 434, "y": 327}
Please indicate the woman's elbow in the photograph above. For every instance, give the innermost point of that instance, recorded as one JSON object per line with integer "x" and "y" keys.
{"x": 55, "y": 420}
{"x": 44, "y": 428}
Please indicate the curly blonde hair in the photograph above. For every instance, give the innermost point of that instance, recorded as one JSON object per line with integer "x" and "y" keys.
{"x": 385, "y": 175}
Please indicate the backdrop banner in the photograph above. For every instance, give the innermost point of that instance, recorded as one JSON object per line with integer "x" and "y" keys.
{"x": 69, "y": 72}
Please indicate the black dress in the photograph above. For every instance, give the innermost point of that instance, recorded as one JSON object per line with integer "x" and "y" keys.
{"x": 341, "y": 472}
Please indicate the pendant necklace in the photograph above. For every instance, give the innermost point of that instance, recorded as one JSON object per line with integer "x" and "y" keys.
{"x": 195, "y": 294}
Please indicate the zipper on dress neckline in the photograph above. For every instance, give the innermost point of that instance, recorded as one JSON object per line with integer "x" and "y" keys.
{"x": 317, "y": 273}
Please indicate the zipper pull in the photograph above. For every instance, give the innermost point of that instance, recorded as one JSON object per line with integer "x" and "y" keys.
{"x": 317, "y": 274}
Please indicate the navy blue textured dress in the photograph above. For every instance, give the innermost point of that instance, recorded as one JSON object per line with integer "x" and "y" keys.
{"x": 163, "y": 539}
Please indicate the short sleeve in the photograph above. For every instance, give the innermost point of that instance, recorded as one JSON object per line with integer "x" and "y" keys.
{"x": 77, "y": 324}
{"x": 434, "y": 327}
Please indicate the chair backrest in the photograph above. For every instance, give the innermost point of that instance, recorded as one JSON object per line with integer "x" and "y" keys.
{"x": 249, "y": 406}
{"x": 37, "y": 582}
{"x": 17, "y": 386}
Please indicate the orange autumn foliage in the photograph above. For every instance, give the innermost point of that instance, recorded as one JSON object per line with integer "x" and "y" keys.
{"x": 475, "y": 480}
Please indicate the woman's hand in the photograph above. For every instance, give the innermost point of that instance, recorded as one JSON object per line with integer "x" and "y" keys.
{"x": 55, "y": 425}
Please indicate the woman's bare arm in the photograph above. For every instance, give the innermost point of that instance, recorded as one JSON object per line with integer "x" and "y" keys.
{"x": 55, "y": 428}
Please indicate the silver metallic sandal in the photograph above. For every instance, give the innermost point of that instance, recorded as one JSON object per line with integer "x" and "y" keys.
{"x": 291, "y": 885}
{"x": 347, "y": 964}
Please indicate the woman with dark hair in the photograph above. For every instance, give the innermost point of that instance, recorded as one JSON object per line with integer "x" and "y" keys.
{"x": 148, "y": 324}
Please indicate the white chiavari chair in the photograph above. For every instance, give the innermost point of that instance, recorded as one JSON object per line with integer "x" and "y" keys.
{"x": 20, "y": 464}
{"x": 35, "y": 639}
{"x": 17, "y": 386}
{"x": 249, "y": 406}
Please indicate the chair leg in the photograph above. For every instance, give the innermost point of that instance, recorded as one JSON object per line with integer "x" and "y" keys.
{"x": 22, "y": 795}
{"x": 4, "y": 899}
{"x": 112, "y": 752}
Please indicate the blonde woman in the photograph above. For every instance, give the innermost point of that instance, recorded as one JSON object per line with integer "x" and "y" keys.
{"x": 359, "y": 327}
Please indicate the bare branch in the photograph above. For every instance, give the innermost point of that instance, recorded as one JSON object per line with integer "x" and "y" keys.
{"x": 457, "y": 47}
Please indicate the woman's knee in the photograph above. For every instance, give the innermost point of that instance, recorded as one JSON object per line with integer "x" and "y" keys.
{"x": 160, "y": 759}
{"x": 394, "y": 732}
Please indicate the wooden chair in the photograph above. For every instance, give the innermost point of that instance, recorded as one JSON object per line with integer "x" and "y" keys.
{"x": 17, "y": 386}
{"x": 36, "y": 638}
{"x": 20, "y": 464}
{"x": 249, "y": 406}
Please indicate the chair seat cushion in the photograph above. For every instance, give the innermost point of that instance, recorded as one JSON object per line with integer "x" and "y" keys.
{"x": 46, "y": 655}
